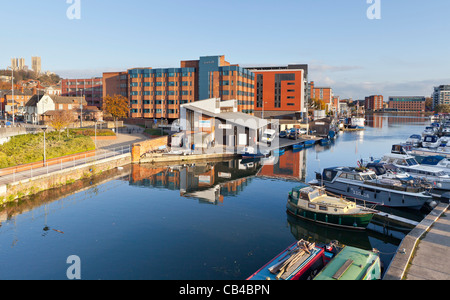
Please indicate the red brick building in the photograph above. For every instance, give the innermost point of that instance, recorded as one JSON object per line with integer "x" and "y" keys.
{"x": 322, "y": 93}
{"x": 115, "y": 83}
{"x": 374, "y": 102}
{"x": 158, "y": 93}
{"x": 279, "y": 89}
{"x": 407, "y": 103}
{"x": 91, "y": 89}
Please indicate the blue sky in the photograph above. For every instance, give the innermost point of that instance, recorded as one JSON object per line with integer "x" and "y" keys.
{"x": 406, "y": 52}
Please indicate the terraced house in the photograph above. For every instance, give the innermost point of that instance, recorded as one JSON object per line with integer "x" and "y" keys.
{"x": 158, "y": 93}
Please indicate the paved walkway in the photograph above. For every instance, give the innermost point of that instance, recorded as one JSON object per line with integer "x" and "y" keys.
{"x": 424, "y": 252}
{"x": 431, "y": 260}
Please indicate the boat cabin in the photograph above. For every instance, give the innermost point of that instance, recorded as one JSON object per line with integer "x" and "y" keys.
{"x": 349, "y": 173}
{"x": 409, "y": 162}
{"x": 430, "y": 139}
{"x": 401, "y": 149}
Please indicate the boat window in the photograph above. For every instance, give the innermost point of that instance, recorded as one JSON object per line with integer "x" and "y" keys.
{"x": 440, "y": 173}
{"x": 351, "y": 176}
{"x": 343, "y": 175}
{"x": 304, "y": 196}
{"x": 295, "y": 195}
{"x": 402, "y": 162}
{"x": 366, "y": 177}
{"x": 411, "y": 162}
{"x": 314, "y": 194}
{"x": 310, "y": 205}
{"x": 324, "y": 208}
{"x": 358, "y": 177}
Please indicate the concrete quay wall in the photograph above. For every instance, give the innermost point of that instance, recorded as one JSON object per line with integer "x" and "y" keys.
{"x": 400, "y": 263}
{"x": 11, "y": 192}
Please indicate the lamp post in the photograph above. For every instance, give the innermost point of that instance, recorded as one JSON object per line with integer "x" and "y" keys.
{"x": 95, "y": 133}
{"x": 12, "y": 89}
{"x": 44, "y": 129}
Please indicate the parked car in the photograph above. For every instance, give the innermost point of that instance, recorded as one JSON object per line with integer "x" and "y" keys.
{"x": 284, "y": 134}
{"x": 303, "y": 131}
{"x": 292, "y": 134}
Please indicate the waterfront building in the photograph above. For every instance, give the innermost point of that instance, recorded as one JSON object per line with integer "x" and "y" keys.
{"x": 217, "y": 122}
{"x": 280, "y": 90}
{"x": 115, "y": 83}
{"x": 158, "y": 93}
{"x": 374, "y": 102}
{"x": 90, "y": 88}
{"x": 407, "y": 103}
{"x": 324, "y": 94}
{"x": 441, "y": 95}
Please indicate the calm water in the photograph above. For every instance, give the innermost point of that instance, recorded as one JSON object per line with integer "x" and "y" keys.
{"x": 209, "y": 221}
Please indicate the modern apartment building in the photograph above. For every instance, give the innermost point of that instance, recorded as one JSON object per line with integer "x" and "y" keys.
{"x": 441, "y": 95}
{"x": 158, "y": 93}
{"x": 374, "y": 102}
{"x": 90, "y": 88}
{"x": 115, "y": 83}
{"x": 407, "y": 103}
{"x": 280, "y": 90}
{"x": 322, "y": 93}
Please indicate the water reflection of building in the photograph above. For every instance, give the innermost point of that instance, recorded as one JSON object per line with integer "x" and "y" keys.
{"x": 374, "y": 120}
{"x": 291, "y": 165}
{"x": 207, "y": 182}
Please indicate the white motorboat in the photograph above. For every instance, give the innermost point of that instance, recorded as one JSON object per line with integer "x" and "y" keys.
{"x": 435, "y": 176}
{"x": 414, "y": 140}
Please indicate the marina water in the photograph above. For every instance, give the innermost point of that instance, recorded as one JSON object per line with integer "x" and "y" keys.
{"x": 209, "y": 220}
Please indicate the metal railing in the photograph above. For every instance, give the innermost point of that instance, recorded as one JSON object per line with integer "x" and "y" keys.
{"x": 24, "y": 172}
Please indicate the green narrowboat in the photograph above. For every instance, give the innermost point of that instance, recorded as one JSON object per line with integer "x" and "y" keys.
{"x": 313, "y": 204}
{"x": 352, "y": 264}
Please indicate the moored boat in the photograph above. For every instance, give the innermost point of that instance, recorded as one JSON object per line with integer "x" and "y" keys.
{"x": 250, "y": 152}
{"x": 312, "y": 203}
{"x": 298, "y": 146}
{"x": 432, "y": 174}
{"x": 279, "y": 151}
{"x": 363, "y": 184}
{"x": 300, "y": 261}
{"x": 309, "y": 143}
{"x": 324, "y": 142}
{"x": 352, "y": 264}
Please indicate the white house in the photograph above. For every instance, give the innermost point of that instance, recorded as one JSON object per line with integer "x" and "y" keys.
{"x": 38, "y": 105}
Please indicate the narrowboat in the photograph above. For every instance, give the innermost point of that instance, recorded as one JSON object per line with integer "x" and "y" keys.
{"x": 301, "y": 261}
{"x": 352, "y": 264}
{"x": 313, "y": 204}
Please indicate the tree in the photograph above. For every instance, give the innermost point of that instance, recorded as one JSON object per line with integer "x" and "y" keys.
{"x": 117, "y": 106}
{"x": 61, "y": 119}
{"x": 429, "y": 104}
{"x": 442, "y": 108}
